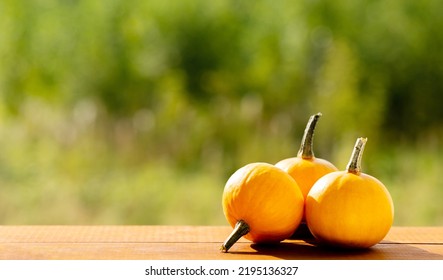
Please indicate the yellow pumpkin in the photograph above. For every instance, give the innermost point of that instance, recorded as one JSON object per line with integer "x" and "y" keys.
{"x": 349, "y": 208}
{"x": 262, "y": 203}
{"x": 306, "y": 169}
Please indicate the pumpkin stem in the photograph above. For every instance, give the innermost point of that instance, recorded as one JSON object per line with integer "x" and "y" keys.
{"x": 241, "y": 228}
{"x": 354, "y": 165}
{"x": 306, "y": 151}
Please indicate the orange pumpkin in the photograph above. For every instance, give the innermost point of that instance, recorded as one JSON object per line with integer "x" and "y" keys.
{"x": 349, "y": 208}
{"x": 305, "y": 168}
{"x": 262, "y": 203}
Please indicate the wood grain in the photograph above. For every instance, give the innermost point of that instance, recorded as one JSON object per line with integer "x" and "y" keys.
{"x": 196, "y": 243}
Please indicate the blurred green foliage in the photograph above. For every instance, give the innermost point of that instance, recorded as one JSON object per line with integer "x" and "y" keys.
{"x": 137, "y": 112}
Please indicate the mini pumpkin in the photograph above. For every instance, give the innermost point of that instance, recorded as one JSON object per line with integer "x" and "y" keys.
{"x": 349, "y": 208}
{"x": 306, "y": 169}
{"x": 262, "y": 203}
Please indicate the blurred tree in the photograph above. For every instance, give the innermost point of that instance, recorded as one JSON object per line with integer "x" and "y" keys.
{"x": 372, "y": 62}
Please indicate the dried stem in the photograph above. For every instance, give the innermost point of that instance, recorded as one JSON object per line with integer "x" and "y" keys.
{"x": 241, "y": 228}
{"x": 354, "y": 165}
{"x": 306, "y": 151}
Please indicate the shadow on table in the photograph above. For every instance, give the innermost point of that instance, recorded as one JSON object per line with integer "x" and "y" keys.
{"x": 309, "y": 250}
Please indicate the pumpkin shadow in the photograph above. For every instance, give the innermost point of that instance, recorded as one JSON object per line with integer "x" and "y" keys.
{"x": 302, "y": 232}
{"x": 310, "y": 250}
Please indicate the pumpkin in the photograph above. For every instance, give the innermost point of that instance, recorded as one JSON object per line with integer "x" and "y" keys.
{"x": 262, "y": 203}
{"x": 349, "y": 208}
{"x": 305, "y": 168}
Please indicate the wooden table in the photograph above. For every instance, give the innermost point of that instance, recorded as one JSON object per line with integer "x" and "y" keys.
{"x": 195, "y": 243}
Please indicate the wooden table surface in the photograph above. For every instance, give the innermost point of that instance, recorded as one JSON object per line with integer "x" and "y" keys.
{"x": 196, "y": 243}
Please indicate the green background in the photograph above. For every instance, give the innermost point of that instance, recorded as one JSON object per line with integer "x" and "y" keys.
{"x": 137, "y": 112}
